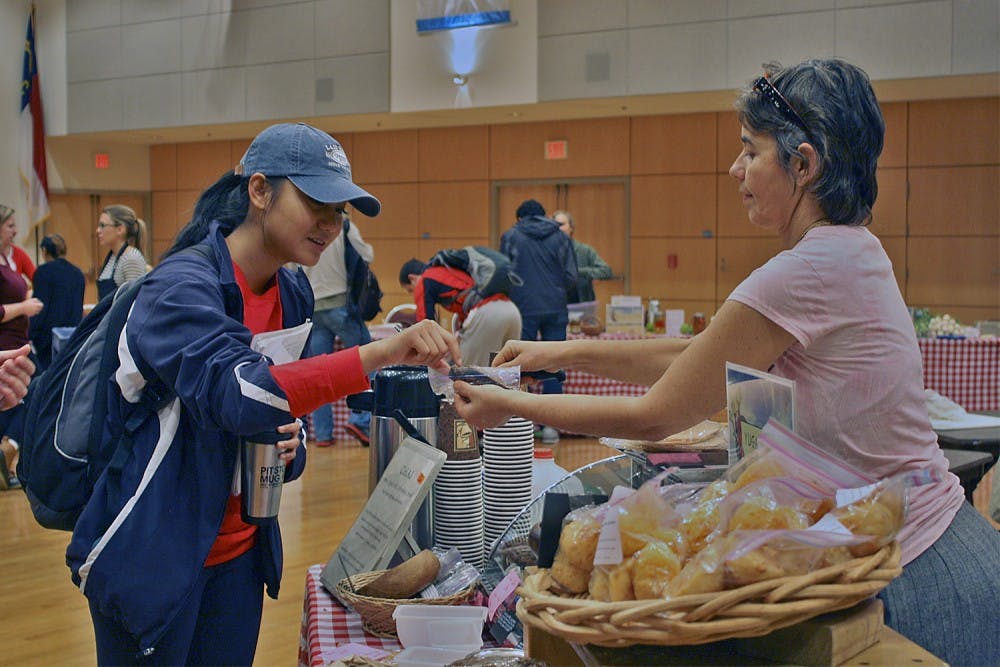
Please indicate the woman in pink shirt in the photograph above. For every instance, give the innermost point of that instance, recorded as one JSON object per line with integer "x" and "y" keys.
{"x": 825, "y": 312}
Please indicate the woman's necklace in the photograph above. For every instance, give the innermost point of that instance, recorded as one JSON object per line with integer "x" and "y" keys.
{"x": 819, "y": 223}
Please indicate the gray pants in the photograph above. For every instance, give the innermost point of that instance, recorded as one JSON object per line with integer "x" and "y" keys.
{"x": 946, "y": 600}
{"x": 486, "y": 329}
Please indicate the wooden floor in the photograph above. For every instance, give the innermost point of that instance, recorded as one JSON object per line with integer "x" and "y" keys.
{"x": 45, "y": 620}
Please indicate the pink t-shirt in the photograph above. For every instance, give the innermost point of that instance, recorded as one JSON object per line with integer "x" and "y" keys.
{"x": 856, "y": 365}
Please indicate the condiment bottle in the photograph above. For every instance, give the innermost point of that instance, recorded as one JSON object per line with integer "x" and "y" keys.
{"x": 654, "y": 309}
{"x": 698, "y": 323}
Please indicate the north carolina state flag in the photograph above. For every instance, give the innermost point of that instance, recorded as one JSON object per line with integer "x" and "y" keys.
{"x": 31, "y": 134}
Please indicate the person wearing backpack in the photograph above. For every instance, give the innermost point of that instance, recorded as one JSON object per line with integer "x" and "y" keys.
{"x": 335, "y": 317}
{"x": 484, "y": 328}
{"x": 171, "y": 572}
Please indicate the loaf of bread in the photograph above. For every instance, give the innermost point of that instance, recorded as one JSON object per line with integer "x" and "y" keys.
{"x": 406, "y": 579}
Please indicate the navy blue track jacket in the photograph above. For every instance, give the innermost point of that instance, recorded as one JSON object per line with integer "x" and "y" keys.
{"x": 142, "y": 540}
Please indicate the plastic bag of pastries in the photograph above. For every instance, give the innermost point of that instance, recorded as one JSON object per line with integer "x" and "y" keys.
{"x": 574, "y": 557}
{"x": 749, "y": 556}
{"x": 646, "y": 516}
{"x": 774, "y": 503}
{"x": 876, "y": 512}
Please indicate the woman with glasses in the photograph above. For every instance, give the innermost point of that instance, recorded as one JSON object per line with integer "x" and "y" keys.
{"x": 826, "y": 312}
{"x": 121, "y": 232}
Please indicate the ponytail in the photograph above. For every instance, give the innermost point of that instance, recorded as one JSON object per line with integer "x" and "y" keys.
{"x": 227, "y": 201}
{"x": 139, "y": 233}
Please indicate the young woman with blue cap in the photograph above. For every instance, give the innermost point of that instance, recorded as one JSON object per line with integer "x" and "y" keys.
{"x": 172, "y": 573}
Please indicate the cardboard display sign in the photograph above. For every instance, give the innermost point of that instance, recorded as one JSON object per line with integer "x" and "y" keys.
{"x": 383, "y": 523}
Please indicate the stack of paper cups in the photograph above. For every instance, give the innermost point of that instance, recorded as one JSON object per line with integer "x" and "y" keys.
{"x": 458, "y": 509}
{"x": 507, "y": 461}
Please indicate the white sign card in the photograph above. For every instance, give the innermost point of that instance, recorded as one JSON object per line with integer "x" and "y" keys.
{"x": 386, "y": 517}
{"x": 752, "y": 398}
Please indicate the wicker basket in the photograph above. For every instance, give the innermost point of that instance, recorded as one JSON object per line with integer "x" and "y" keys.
{"x": 748, "y": 611}
{"x": 376, "y": 613}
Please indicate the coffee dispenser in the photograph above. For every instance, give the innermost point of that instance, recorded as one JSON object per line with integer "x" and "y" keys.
{"x": 401, "y": 398}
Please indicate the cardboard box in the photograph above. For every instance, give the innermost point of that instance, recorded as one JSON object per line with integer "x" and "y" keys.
{"x": 624, "y": 319}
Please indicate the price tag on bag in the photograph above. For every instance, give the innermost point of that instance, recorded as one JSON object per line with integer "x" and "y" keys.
{"x": 609, "y": 543}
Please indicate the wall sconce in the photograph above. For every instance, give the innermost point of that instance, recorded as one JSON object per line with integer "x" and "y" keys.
{"x": 459, "y": 79}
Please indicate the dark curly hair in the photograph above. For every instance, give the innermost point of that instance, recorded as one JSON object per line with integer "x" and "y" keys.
{"x": 843, "y": 123}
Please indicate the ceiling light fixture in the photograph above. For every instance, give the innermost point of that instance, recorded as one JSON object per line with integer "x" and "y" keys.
{"x": 459, "y": 79}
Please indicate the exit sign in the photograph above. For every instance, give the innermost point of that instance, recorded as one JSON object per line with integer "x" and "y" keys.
{"x": 102, "y": 160}
{"x": 556, "y": 150}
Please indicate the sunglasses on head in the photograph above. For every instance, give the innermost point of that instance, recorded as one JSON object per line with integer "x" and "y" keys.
{"x": 771, "y": 94}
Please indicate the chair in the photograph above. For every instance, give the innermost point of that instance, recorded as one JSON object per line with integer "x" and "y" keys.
{"x": 404, "y": 313}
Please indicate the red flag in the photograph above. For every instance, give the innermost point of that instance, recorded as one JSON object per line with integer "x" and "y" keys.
{"x": 32, "y": 134}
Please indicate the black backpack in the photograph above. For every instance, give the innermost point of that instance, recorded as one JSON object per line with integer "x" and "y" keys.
{"x": 365, "y": 295}
{"x": 491, "y": 271}
{"x": 63, "y": 448}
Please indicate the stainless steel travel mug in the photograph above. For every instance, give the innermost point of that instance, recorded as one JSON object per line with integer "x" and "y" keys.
{"x": 263, "y": 474}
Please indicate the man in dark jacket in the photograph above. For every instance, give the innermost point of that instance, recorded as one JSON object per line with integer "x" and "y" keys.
{"x": 59, "y": 285}
{"x": 543, "y": 256}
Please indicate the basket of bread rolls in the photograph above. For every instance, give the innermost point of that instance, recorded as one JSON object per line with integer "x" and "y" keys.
{"x": 375, "y": 595}
{"x": 787, "y": 534}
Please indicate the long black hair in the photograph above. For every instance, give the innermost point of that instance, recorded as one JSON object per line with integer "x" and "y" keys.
{"x": 227, "y": 201}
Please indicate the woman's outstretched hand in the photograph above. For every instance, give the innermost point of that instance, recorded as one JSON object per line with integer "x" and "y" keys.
{"x": 424, "y": 343}
{"x": 529, "y": 355}
{"x": 484, "y": 406}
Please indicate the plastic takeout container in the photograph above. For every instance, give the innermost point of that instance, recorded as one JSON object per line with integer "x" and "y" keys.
{"x": 458, "y": 628}
{"x": 426, "y": 656}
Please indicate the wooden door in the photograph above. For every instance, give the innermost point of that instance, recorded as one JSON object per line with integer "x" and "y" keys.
{"x": 73, "y": 219}
{"x": 600, "y": 211}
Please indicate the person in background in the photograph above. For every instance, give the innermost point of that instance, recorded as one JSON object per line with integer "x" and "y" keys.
{"x": 59, "y": 285}
{"x": 544, "y": 258}
{"x": 14, "y": 254}
{"x": 826, "y": 312}
{"x": 16, "y": 306}
{"x": 334, "y": 318}
{"x": 589, "y": 265}
{"x": 121, "y": 232}
{"x": 483, "y": 330}
{"x": 172, "y": 574}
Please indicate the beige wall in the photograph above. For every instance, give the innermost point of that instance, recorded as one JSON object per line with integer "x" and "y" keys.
{"x": 938, "y": 212}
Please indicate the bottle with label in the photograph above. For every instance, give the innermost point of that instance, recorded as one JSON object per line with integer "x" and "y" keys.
{"x": 698, "y": 323}
{"x": 544, "y": 471}
{"x": 652, "y": 315}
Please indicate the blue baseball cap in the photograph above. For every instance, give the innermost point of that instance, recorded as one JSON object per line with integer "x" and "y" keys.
{"x": 311, "y": 159}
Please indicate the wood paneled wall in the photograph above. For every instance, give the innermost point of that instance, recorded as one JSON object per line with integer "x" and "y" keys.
{"x": 689, "y": 243}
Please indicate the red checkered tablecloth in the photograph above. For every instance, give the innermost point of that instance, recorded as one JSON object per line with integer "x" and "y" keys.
{"x": 327, "y": 624}
{"x": 966, "y": 370}
{"x": 578, "y": 382}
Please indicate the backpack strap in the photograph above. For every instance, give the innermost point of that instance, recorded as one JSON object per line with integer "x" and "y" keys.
{"x": 155, "y": 396}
